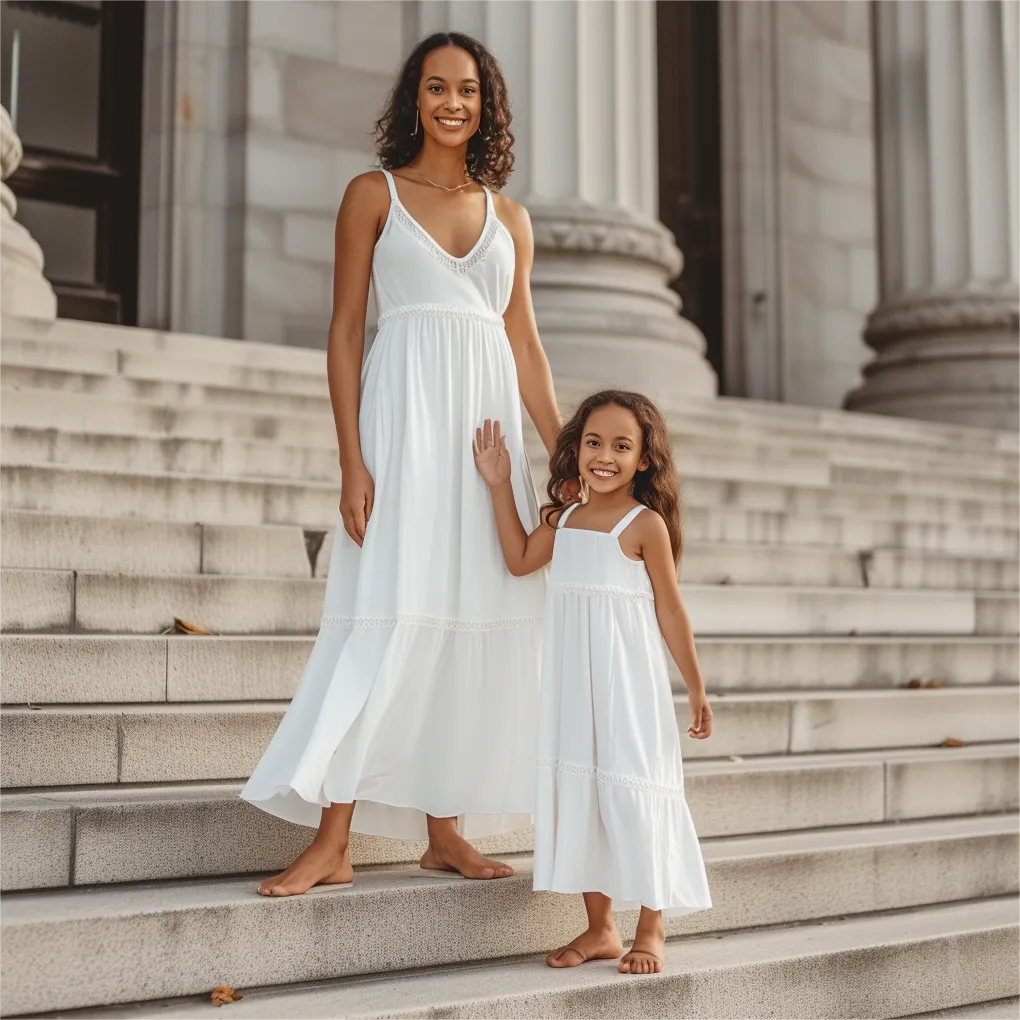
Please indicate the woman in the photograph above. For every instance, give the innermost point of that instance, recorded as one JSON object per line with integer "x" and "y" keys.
{"x": 416, "y": 713}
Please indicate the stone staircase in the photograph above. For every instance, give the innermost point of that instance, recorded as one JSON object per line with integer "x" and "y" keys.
{"x": 859, "y": 868}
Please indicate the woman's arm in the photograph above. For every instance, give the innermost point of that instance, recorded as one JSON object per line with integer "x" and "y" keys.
{"x": 362, "y": 211}
{"x": 534, "y": 377}
{"x": 522, "y": 552}
{"x": 671, "y": 613}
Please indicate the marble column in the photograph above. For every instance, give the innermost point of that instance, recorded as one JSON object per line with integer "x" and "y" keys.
{"x": 945, "y": 332}
{"x": 582, "y": 78}
{"x": 24, "y": 292}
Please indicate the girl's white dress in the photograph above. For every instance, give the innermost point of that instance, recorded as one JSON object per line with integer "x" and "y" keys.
{"x": 610, "y": 813}
{"x": 421, "y": 692}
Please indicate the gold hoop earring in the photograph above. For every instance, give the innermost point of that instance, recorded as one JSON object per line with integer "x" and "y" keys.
{"x": 417, "y": 112}
{"x": 585, "y": 491}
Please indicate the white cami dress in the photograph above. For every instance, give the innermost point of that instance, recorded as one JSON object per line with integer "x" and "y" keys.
{"x": 610, "y": 813}
{"x": 421, "y": 692}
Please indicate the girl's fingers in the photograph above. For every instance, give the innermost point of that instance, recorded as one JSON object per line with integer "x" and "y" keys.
{"x": 478, "y": 441}
{"x": 497, "y": 439}
{"x": 487, "y": 433}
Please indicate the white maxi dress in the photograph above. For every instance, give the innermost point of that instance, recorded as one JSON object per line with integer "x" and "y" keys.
{"x": 610, "y": 813}
{"x": 421, "y": 693}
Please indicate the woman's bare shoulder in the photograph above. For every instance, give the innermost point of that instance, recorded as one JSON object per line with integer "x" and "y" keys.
{"x": 369, "y": 188}
{"x": 512, "y": 215}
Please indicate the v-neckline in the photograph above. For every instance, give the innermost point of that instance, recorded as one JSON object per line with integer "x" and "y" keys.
{"x": 431, "y": 240}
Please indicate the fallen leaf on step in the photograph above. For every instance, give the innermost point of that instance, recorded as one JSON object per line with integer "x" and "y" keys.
{"x": 952, "y": 742}
{"x": 223, "y": 994}
{"x": 726, "y": 580}
{"x": 914, "y": 684}
{"x": 932, "y": 685}
{"x": 735, "y": 757}
{"x": 183, "y": 627}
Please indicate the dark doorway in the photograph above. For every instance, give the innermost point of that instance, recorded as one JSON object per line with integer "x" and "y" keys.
{"x": 79, "y": 117}
{"x": 690, "y": 159}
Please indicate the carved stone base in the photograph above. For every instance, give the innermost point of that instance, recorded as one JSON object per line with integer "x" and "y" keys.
{"x": 604, "y": 308}
{"x": 945, "y": 357}
{"x": 24, "y": 292}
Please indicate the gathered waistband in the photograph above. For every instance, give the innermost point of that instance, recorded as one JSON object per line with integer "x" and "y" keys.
{"x": 440, "y": 312}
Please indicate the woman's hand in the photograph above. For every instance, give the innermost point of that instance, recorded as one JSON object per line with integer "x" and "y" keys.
{"x": 357, "y": 494}
{"x": 701, "y": 716}
{"x": 570, "y": 490}
{"x": 491, "y": 456}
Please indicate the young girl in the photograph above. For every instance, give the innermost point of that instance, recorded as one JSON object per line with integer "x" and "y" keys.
{"x": 611, "y": 820}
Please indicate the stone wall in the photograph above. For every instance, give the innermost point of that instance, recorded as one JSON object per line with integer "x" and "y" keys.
{"x": 318, "y": 74}
{"x": 827, "y": 222}
{"x": 257, "y": 116}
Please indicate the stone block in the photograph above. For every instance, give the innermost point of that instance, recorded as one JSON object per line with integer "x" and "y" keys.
{"x": 997, "y": 613}
{"x": 235, "y": 669}
{"x": 36, "y": 599}
{"x": 254, "y": 551}
{"x": 136, "y": 604}
{"x": 309, "y": 237}
{"x": 371, "y": 39}
{"x": 303, "y": 27}
{"x": 274, "y": 164}
{"x": 36, "y": 844}
{"x": 58, "y": 747}
{"x": 958, "y": 784}
{"x": 311, "y": 109}
{"x": 70, "y": 669}
{"x": 185, "y": 744}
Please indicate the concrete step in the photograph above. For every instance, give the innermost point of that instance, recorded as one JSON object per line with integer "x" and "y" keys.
{"x": 33, "y": 539}
{"x": 185, "y": 938}
{"x": 160, "y": 390}
{"x": 130, "y": 363}
{"x": 54, "y": 600}
{"x": 184, "y": 742}
{"x": 131, "y": 834}
{"x": 135, "y": 546}
{"x": 248, "y": 458}
{"x": 110, "y": 668}
{"x": 924, "y": 958}
{"x": 1000, "y": 1009}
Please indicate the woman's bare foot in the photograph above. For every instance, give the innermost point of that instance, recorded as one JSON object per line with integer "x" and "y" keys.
{"x": 454, "y": 853}
{"x": 649, "y": 947}
{"x": 601, "y": 943}
{"x": 321, "y": 863}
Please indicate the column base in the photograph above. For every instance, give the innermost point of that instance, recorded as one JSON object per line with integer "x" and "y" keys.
{"x": 945, "y": 357}
{"x": 605, "y": 311}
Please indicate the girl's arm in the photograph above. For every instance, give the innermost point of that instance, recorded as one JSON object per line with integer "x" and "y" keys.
{"x": 673, "y": 620}
{"x": 534, "y": 377}
{"x": 361, "y": 212}
{"x": 523, "y": 553}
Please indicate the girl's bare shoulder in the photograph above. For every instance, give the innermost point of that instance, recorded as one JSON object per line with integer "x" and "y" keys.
{"x": 649, "y": 525}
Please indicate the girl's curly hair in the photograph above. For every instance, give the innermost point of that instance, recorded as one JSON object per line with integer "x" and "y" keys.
{"x": 490, "y": 158}
{"x": 658, "y": 486}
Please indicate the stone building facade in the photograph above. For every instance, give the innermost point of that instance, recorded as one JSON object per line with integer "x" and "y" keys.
{"x": 864, "y": 197}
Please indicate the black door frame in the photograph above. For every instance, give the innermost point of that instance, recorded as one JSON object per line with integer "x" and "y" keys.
{"x": 110, "y": 183}
{"x": 690, "y": 159}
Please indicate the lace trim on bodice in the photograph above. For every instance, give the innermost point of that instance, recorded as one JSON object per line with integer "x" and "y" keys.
{"x": 611, "y": 778}
{"x": 469, "y": 261}
{"x": 602, "y": 589}
{"x": 441, "y": 311}
{"x": 435, "y": 622}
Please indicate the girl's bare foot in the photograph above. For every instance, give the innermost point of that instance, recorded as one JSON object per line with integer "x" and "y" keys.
{"x": 454, "y": 853}
{"x": 321, "y": 863}
{"x": 602, "y": 943}
{"x": 649, "y": 948}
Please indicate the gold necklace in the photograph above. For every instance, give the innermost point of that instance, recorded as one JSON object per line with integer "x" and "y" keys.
{"x": 442, "y": 187}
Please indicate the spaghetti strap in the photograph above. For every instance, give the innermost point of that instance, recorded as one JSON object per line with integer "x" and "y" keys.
{"x": 625, "y": 521}
{"x": 566, "y": 513}
{"x": 392, "y": 186}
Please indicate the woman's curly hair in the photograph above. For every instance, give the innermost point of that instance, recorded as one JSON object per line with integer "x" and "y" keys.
{"x": 490, "y": 158}
{"x": 658, "y": 486}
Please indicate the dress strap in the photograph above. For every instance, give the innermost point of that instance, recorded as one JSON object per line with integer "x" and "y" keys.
{"x": 624, "y": 523}
{"x": 566, "y": 513}
{"x": 392, "y": 186}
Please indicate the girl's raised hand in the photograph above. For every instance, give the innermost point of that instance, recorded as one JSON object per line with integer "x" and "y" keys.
{"x": 491, "y": 456}
{"x": 701, "y": 716}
